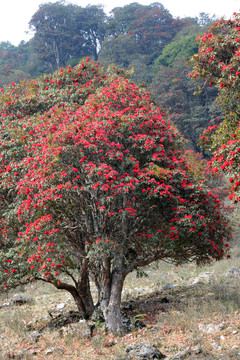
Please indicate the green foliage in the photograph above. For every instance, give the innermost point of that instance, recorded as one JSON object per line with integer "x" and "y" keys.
{"x": 121, "y": 19}
{"x": 12, "y": 63}
{"x": 153, "y": 28}
{"x": 63, "y": 32}
{"x": 190, "y": 110}
{"x": 218, "y": 63}
{"x": 180, "y": 49}
{"x": 120, "y": 50}
{"x": 124, "y": 52}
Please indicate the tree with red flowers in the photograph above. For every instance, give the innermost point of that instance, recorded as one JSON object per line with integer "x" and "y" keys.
{"x": 218, "y": 62}
{"x": 95, "y": 184}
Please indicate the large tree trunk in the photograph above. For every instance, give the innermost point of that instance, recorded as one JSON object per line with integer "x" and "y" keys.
{"x": 84, "y": 310}
{"x": 81, "y": 292}
{"x": 85, "y": 293}
{"x": 110, "y": 301}
{"x": 84, "y": 303}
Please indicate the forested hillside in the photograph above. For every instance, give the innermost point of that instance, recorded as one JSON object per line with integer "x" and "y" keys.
{"x": 145, "y": 38}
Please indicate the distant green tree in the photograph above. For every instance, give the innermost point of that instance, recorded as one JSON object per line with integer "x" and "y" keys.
{"x": 120, "y": 50}
{"x": 182, "y": 47}
{"x": 123, "y": 51}
{"x": 121, "y": 18}
{"x": 152, "y": 26}
{"x": 12, "y": 63}
{"x": 53, "y": 39}
{"x": 190, "y": 110}
{"x": 65, "y": 33}
{"x": 91, "y": 24}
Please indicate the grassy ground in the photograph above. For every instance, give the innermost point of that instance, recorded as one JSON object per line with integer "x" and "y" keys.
{"x": 172, "y": 317}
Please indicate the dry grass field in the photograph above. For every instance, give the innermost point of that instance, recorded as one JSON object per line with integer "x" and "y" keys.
{"x": 175, "y": 317}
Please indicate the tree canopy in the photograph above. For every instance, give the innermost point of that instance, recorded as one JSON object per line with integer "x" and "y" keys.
{"x": 182, "y": 47}
{"x": 151, "y": 27}
{"x": 65, "y": 33}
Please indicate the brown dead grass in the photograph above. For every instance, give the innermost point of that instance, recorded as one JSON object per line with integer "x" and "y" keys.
{"x": 172, "y": 326}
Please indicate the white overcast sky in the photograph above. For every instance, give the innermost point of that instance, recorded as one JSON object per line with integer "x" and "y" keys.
{"x": 16, "y": 14}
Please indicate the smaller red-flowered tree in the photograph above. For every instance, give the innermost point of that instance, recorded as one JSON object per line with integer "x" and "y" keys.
{"x": 218, "y": 62}
{"x": 96, "y": 187}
